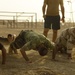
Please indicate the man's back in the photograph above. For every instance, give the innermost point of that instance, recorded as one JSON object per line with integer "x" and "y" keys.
{"x": 4, "y": 41}
{"x": 36, "y": 39}
{"x": 31, "y": 39}
{"x": 31, "y": 35}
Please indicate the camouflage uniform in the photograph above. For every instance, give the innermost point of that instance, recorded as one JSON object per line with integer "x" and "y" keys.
{"x": 28, "y": 39}
{"x": 66, "y": 39}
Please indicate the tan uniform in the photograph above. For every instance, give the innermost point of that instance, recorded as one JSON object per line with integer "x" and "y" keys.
{"x": 67, "y": 39}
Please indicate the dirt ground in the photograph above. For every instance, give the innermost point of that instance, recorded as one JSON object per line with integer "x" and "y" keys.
{"x": 16, "y": 65}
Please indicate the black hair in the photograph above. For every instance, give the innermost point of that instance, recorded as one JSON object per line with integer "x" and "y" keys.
{"x": 9, "y": 35}
{"x": 43, "y": 51}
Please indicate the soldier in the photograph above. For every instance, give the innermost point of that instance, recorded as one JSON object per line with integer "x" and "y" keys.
{"x": 7, "y": 40}
{"x": 65, "y": 41}
{"x": 28, "y": 40}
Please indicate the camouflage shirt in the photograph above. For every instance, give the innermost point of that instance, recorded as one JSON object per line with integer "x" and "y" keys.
{"x": 30, "y": 40}
{"x": 66, "y": 39}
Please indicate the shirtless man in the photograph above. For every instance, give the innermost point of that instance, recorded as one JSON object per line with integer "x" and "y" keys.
{"x": 50, "y": 10}
{"x": 7, "y": 40}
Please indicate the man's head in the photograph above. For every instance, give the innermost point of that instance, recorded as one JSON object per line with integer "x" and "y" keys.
{"x": 10, "y": 37}
{"x": 42, "y": 50}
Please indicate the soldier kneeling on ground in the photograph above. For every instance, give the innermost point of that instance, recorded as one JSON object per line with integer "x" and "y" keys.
{"x": 65, "y": 41}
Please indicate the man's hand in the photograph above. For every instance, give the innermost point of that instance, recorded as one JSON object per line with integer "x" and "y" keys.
{"x": 44, "y": 16}
{"x": 63, "y": 19}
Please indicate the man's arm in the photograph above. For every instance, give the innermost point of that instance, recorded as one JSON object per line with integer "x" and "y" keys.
{"x": 3, "y": 55}
{"x": 44, "y": 9}
{"x": 23, "y": 49}
{"x": 62, "y": 10}
{"x": 55, "y": 50}
{"x": 24, "y": 54}
{"x": 69, "y": 49}
{"x": 53, "y": 54}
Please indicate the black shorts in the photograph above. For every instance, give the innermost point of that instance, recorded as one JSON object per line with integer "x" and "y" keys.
{"x": 52, "y": 22}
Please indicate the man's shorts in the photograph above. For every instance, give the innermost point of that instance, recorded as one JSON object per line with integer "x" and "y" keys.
{"x": 52, "y": 22}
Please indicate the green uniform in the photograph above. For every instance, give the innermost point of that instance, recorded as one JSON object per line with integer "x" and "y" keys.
{"x": 29, "y": 39}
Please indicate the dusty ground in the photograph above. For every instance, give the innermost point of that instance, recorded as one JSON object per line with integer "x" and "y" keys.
{"x": 16, "y": 65}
